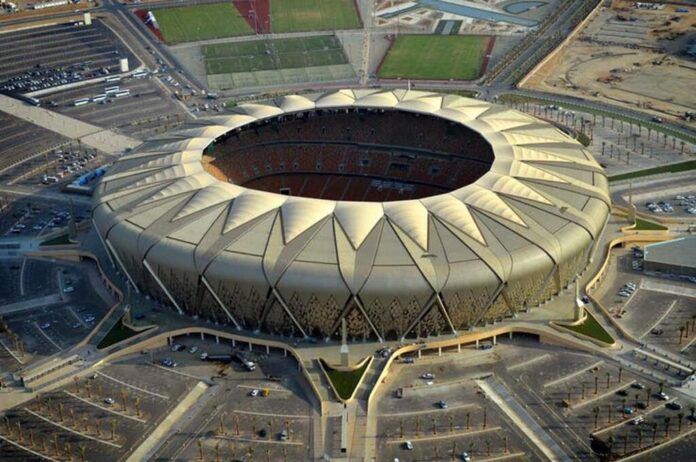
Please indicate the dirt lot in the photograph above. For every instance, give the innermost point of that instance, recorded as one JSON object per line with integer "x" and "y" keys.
{"x": 631, "y": 57}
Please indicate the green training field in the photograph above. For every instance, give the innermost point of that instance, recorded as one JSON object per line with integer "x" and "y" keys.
{"x": 262, "y": 55}
{"x": 305, "y": 15}
{"x": 201, "y": 22}
{"x": 437, "y": 57}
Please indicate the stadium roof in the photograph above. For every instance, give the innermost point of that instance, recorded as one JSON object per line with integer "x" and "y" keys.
{"x": 677, "y": 252}
{"x": 543, "y": 190}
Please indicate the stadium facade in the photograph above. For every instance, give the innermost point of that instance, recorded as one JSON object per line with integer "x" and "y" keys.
{"x": 507, "y": 241}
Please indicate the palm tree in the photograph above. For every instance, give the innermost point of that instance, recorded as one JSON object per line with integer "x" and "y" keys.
{"x": 608, "y": 413}
{"x": 200, "y": 449}
{"x": 648, "y": 392}
{"x": 113, "y": 429}
{"x": 620, "y": 373}
{"x": 637, "y": 398}
{"x": 662, "y": 386}
{"x": 681, "y": 333}
{"x": 451, "y": 423}
{"x": 625, "y": 445}
{"x": 654, "y": 429}
{"x": 468, "y": 419}
{"x": 608, "y": 378}
{"x": 434, "y": 426}
{"x": 484, "y": 417}
{"x": 640, "y": 438}
{"x": 668, "y": 419}
{"x": 681, "y": 420}
{"x": 401, "y": 428}
{"x": 82, "y": 453}
{"x": 596, "y": 384}
{"x": 595, "y": 411}
{"x": 692, "y": 410}
{"x": 623, "y": 408}
{"x": 610, "y": 445}
{"x": 137, "y": 406}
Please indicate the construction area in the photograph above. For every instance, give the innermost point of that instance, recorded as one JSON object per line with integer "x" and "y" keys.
{"x": 629, "y": 55}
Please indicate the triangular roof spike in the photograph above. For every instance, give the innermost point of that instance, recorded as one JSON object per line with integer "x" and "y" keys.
{"x": 358, "y": 219}
{"x": 209, "y": 196}
{"x": 300, "y": 214}
{"x": 505, "y": 184}
{"x": 411, "y": 217}
{"x": 421, "y": 104}
{"x": 336, "y": 99}
{"x": 456, "y": 213}
{"x": 382, "y": 99}
{"x": 260, "y": 111}
{"x": 250, "y": 205}
{"x": 533, "y": 153}
{"x": 170, "y": 173}
{"x": 489, "y": 201}
{"x": 505, "y": 124}
{"x": 294, "y": 103}
{"x": 184, "y": 184}
{"x": 524, "y": 170}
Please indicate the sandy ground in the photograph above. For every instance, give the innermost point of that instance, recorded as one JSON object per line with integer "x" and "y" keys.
{"x": 628, "y": 63}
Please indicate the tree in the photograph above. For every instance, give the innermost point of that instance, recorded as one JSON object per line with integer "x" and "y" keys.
{"x": 654, "y": 429}
{"x": 596, "y": 384}
{"x": 200, "y": 449}
{"x": 113, "y": 429}
{"x": 468, "y": 419}
{"x": 620, "y": 373}
{"x": 680, "y": 421}
{"x": 692, "y": 410}
{"x": 608, "y": 378}
{"x": 610, "y": 446}
{"x": 668, "y": 419}
{"x": 488, "y": 447}
{"x": 662, "y": 386}
{"x": 595, "y": 411}
{"x": 484, "y": 417}
{"x": 648, "y": 392}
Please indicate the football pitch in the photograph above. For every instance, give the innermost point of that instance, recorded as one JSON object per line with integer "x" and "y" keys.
{"x": 306, "y": 15}
{"x": 437, "y": 57}
{"x": 262, "y": 55}
{"x": 200, "y": 22}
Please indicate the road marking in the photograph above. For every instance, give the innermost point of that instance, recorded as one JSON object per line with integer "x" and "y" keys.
{"x": 608, "y": 392}
{"x": 11, "y": 353}
{"x": 68, "y": 429}
{"x": 133, "y": 386}
{"x": 47, "y": 337}
{"x": 662, "y": 318}
{"x": 24, "y": 448}
{"x": 528, "y": 362}
{"x": 113, "y": 411}
{"x": 289, "y": 416}
{"x": 574, "y": 374}
{"x": 445, "y": 435}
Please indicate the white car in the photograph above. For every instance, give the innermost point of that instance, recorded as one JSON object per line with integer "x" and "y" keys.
{"x": 254, "y": 393}
{"x": 465, "y": 456}
{"x": 408, "y": 446}
{"x": 193, "y": 349}
{"x": 427, "y": 376}
{"x": 663, "y": 396}
{"x": 68, "y": 290}
{"x": 109, "y": 401}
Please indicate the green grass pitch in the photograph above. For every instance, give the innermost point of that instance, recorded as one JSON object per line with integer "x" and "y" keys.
{"x": 201, "y": 22}
{"x": 306, "y": 15}
{"x": 437, "y": 57}
{"x": 262, "y": 55}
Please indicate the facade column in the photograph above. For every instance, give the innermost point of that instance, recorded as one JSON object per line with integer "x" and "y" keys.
{"x": 494, "y": 340}
{"x": 439, "y": 351}
{"x": 217, "y": 340}
{"x": 251, "y": 348}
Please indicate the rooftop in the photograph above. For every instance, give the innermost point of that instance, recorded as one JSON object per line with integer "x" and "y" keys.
{"x": 678, "y": 252}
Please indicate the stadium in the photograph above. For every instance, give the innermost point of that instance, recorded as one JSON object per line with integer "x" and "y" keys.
{"x": 405, "y": 213}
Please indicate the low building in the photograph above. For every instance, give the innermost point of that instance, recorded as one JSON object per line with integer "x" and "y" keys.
{"x": 677, "y": 256}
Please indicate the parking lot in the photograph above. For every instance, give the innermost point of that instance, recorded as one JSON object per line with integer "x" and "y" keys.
{"x": 142, "y": 107}
{"x": 101, "y": 416}
{"x": 18, "y": 145}
{"x": 569, "y": 394}
{"x": 27, "y": 217}
{"x": 234, "y": 428}
{"x": 45, "y": 57}
{"x": 51, "y": 306}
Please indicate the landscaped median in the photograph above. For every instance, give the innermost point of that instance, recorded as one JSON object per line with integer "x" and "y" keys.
{"x": 587, "y": 328}
{"x": 345, "y": 380}
{"x": 120, "y": 332}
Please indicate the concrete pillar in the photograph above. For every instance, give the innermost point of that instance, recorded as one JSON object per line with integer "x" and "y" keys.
{"x": 268, "y": 350}
{"x": 251, "y": 348}
{"x": 494, "y": 340}
{"x": 285, "y": 353}
{"x": 510, "y": 335}
{"x": 169, "y": 341}
{"x": 419, "y": 354}
{"x": 217, "y": 340}
{"x": 202, "y": 336}
{"x": 477, "y": 344}
{"x": 234, "y": 343}
{"x": 439, "y": 351}
{"x": 459, "y": 347}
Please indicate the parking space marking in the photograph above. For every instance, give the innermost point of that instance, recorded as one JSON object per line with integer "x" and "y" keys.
{"x": 79, "y": 319}
{"x": 184, "y": 374}
{"x": 68, "y": 429}
{"x": 662, "y": 318}
{"x": 528, "y": 362}
{"x": 446, "y": 435}
{"x": 21, "y": 277}
{"x": 253, "y": 440}
{"x": 289, "y": 416}
{"x": 427, "y": 411}
{"x": 594, "y": 398}
{"x": 628, "y": 420}
{"x": 47, "y": 337}
{"x": 249, "y": 387}
{"x": 11, "y": 353}
{"x": 112, "y": 411}
{"x": 573, "y": 375}
{"x": 24, "y": 448}
{"x": 125, "y": 384}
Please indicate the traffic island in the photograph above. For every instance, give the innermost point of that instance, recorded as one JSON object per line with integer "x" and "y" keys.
{"x": 345, "y": 381}
{"x": 587, "y": 328}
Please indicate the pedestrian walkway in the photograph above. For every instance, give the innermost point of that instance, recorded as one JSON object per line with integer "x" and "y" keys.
{"x": 93, "y": 136}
